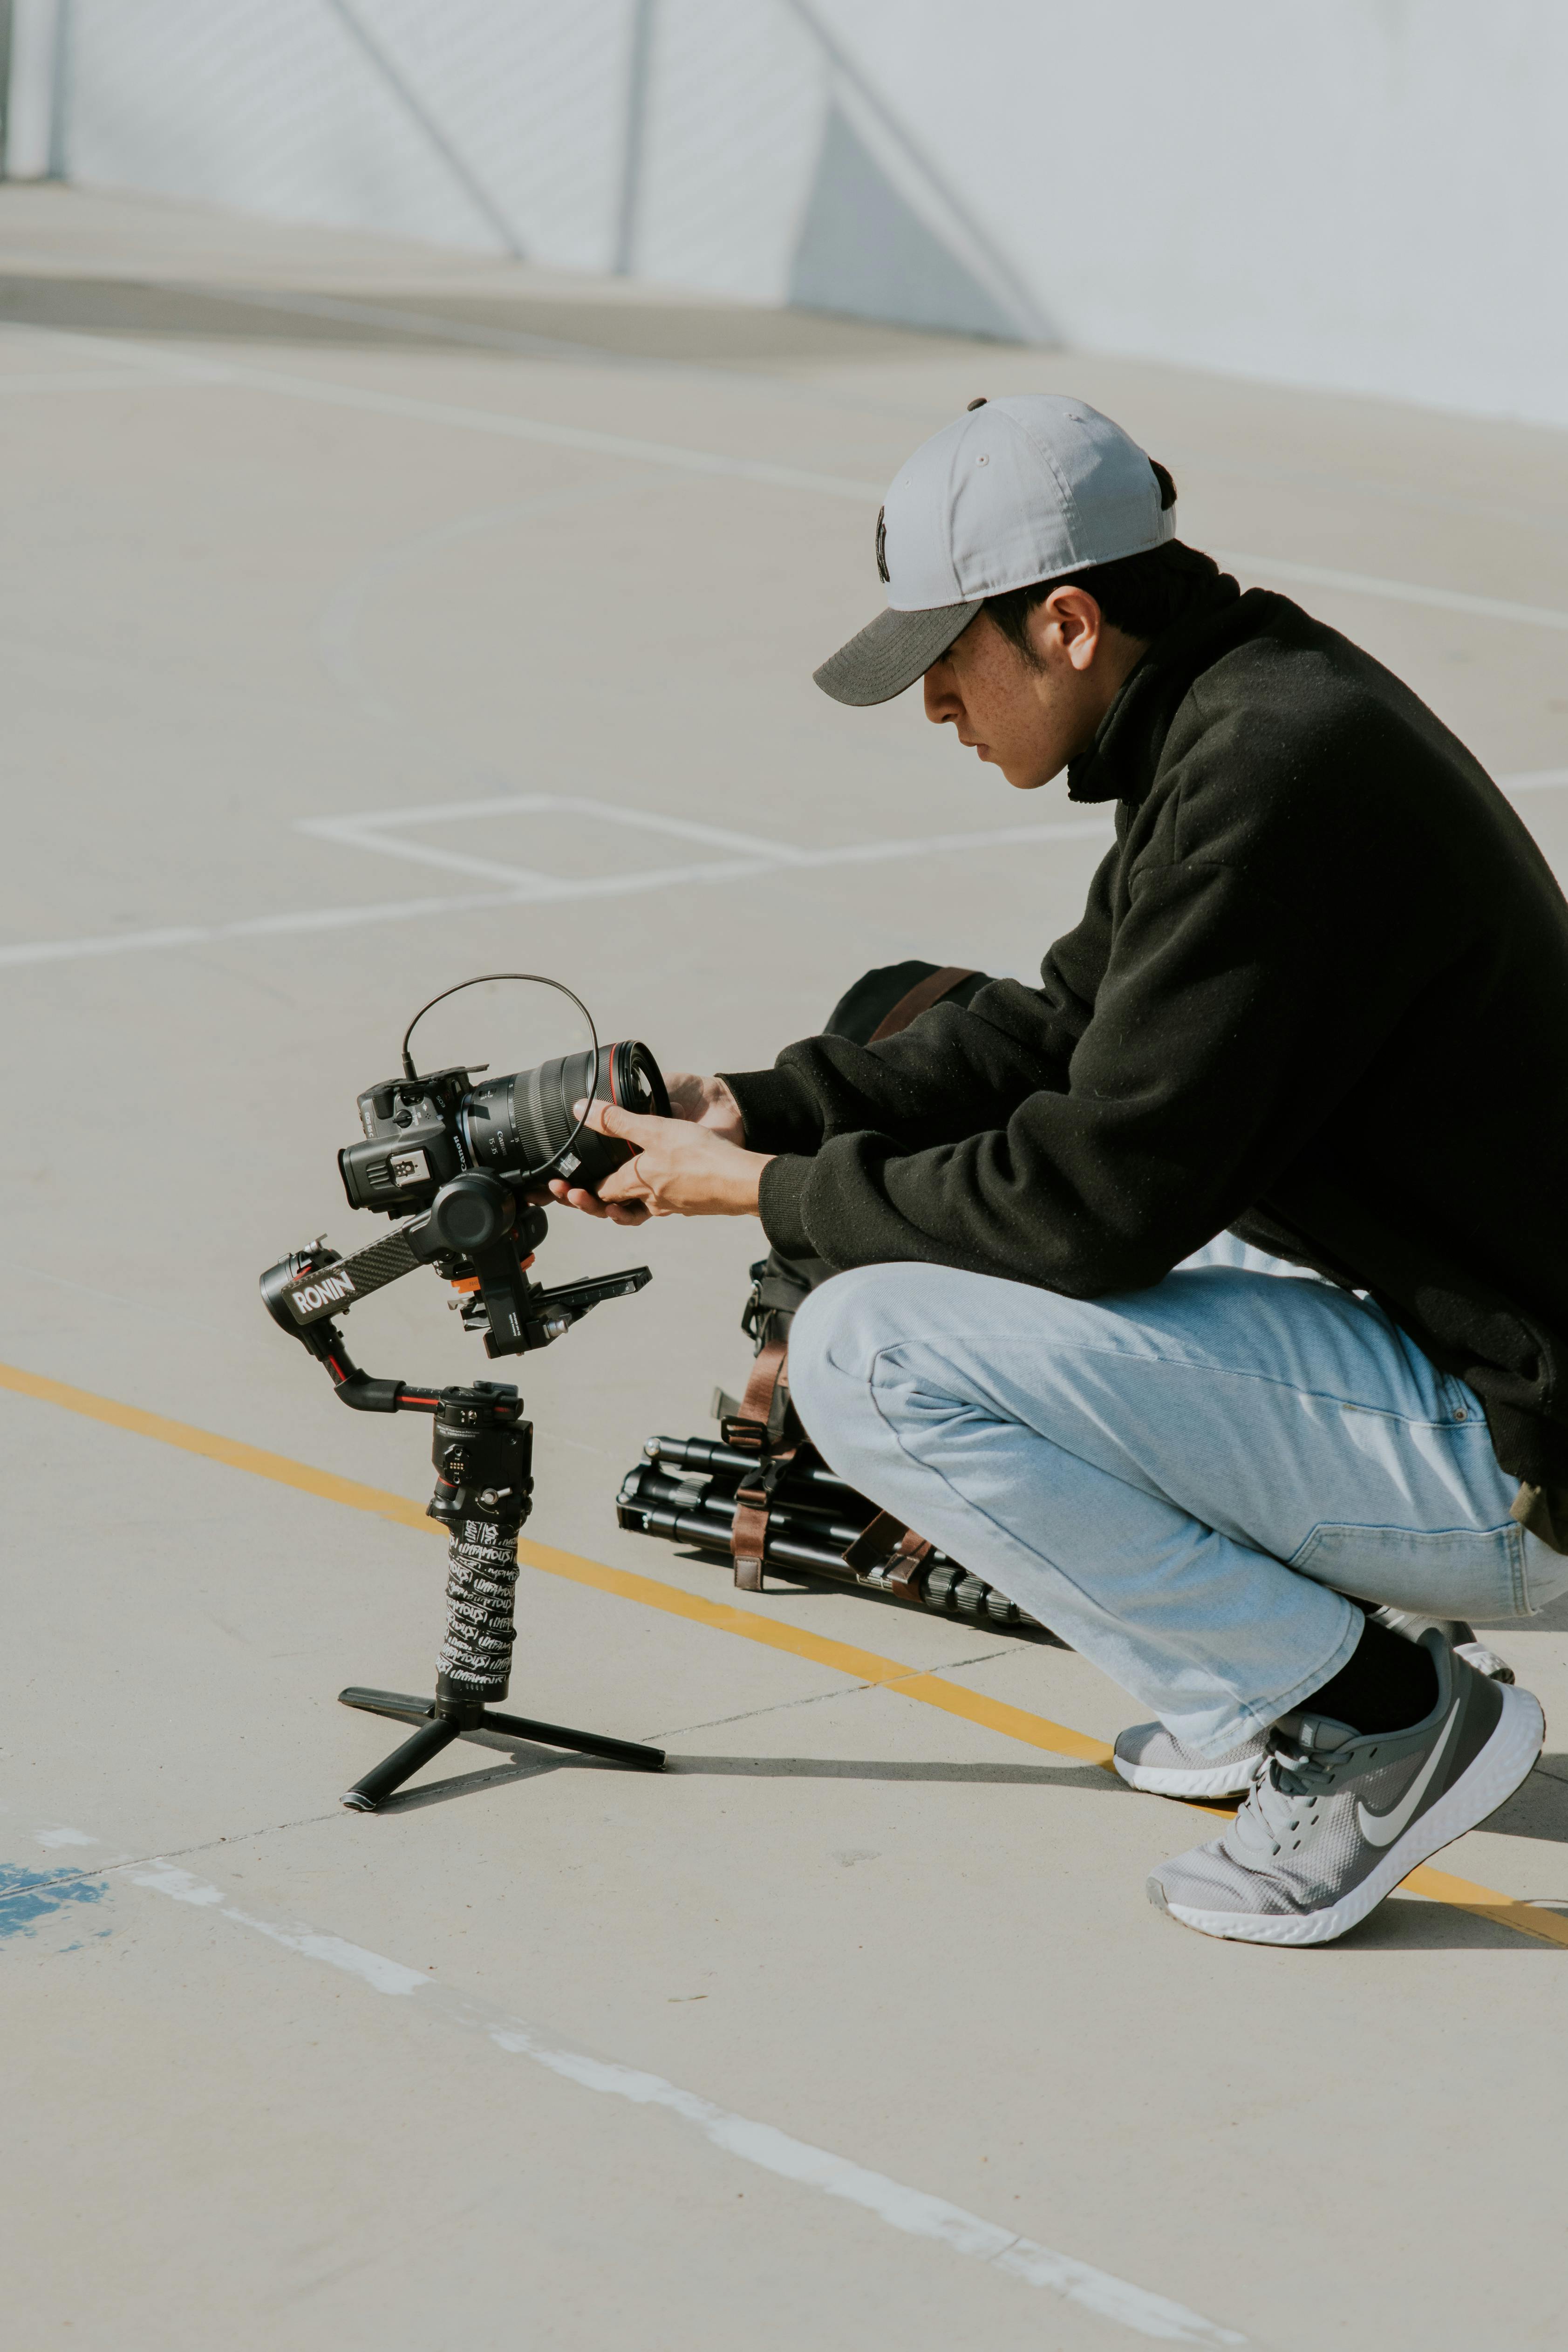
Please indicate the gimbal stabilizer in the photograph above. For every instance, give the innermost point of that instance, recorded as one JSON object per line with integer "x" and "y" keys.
{"x": 483, "y": 1448}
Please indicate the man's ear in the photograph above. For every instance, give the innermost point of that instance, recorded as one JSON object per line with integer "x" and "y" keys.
{"x": 1067, "y": 627}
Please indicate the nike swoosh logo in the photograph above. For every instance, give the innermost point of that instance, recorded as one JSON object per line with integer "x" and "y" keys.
{"x": 1381, "y": 1829}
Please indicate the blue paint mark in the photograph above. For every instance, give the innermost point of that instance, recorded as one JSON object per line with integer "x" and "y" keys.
{"x": 28, "y": 1896}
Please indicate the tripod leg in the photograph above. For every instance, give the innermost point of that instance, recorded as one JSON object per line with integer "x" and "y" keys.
{"x": 586, "y": 1743}
{"x": 399, "y": 1705}
{"x": 401, "y": 1765}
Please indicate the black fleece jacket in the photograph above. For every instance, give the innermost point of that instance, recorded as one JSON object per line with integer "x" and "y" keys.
{"x": 1318, "y": 996}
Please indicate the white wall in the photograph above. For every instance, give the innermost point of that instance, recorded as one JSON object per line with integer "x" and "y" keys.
{"x": 1370, "y": 194}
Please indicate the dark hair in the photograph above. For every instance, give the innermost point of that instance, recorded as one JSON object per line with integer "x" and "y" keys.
{"x": 1141, "y": 595}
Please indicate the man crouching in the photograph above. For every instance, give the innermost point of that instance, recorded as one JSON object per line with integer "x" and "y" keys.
{"x": 1217, "y": 1286}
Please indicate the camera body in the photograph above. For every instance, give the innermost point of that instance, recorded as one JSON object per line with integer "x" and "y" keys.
{"x": 421, "y": 1132}
{"x": 412, "y": 1143}
{"x": 456, "y": 1162}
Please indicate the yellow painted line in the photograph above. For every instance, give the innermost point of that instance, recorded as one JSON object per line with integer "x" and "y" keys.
{"x": 1441, "y": 1886}
{"x": 865, "y": 1665}
{"x": 277, "y": 1466}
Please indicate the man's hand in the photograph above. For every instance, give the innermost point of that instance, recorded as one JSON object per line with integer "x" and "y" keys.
{"x": 685, "y": 1167}
{"x": 706, "y": 1102}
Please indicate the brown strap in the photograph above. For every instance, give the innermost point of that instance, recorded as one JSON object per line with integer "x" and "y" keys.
{"x": 911, "y": 1556}
{"x": 887, "y": 1544}
{"x": 921, "y": 998}
{"x": 749, "y": 1526}
{"x": 748, "y": 1428}
{"x": 748, "y": 1543}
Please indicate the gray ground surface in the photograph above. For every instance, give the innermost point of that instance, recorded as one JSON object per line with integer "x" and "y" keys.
{"x": 296, "y": 526}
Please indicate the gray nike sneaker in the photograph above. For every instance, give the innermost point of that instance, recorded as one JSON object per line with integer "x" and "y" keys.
{"x": 1454, "y": 1630}
{"x": 1336, "y": 1818}
{"x": 1149, "y": 1757}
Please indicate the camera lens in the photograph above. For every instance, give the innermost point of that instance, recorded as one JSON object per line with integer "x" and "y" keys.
{"x": 522, "y": 1126}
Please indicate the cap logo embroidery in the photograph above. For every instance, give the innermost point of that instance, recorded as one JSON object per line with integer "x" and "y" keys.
{"x": 882, "y": 570}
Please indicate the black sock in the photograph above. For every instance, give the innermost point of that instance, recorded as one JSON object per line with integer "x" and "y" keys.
{"x": 1385, "y": 1684}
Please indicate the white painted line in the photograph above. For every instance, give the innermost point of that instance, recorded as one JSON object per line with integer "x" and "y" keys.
{"x": 679, "y": 828}
{"x": 322, "y": 392}
{"x": 65, "y": 950}
{"x": 63, "y": 1837}
{"x": 522, "y": 887}
{"x": 88, "y": 380}
{"x": 542, "y": 890}
{"x": 369, "y": 831}
{"x": 1397, "y": 592}
{"x": 349, "y": 833}
{"x": 912, "y": 2211}
{"x": 110, "y": 346}
{"x": 159, "y": 360}
{"x": 938, "y": 844}
{"x": 325, "y": 392}
{"x": 381, "y": 1975}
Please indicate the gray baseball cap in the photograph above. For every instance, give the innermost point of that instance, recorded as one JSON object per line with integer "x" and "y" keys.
{"x": 1017, "y": 490}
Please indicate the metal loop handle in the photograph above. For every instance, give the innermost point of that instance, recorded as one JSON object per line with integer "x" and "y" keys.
{"x": 539, "y": 980}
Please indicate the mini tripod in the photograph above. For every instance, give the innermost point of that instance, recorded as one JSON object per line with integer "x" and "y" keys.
{"x": 483, "y": 1450}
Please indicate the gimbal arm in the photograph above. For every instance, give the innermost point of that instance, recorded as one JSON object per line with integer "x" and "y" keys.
{"x": 304, "y": 1291}
{"x": 323, "y": 1340}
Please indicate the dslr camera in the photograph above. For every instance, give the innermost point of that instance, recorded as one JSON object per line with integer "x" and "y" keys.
{"x": 458, "y": 1157}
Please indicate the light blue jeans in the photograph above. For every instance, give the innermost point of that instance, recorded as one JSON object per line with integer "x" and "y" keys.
{"x": 1185, "y": 1481}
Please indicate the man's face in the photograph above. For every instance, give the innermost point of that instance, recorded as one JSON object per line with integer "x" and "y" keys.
{"x": 1029, "y": 718}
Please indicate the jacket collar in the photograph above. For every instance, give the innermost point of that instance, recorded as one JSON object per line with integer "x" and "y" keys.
{"x": 1120, "y": 762}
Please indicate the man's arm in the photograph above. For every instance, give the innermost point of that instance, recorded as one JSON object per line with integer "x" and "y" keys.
{"x": 954, "y": 1072}
{"x": 1221, "y": 1040}
{"x": 703, "y": 1161}
{"x": 1217, "y": 1049}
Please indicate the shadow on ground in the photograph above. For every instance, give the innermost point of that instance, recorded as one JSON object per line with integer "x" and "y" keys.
{"x": 525, "y": 1763}
{"x": 1540, "y": 1807}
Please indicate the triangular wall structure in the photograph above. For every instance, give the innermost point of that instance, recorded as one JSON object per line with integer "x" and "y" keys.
{"x": 864, "y": 249}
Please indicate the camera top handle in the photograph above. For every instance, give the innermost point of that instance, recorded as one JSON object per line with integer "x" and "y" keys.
{"x": 536, "y": 978}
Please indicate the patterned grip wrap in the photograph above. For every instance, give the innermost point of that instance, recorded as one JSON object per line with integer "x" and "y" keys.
{"x": 481, "y": 1583}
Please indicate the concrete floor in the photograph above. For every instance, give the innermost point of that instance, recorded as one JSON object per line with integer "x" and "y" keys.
{"x": 301, "y": 526}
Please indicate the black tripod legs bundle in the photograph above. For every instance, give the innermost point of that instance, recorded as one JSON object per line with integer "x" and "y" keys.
{"x": 482, "y": 1485}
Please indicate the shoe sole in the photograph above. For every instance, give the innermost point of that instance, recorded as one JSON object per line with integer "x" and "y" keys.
{"x": 1218, "y": 1781}
{"x": 1505, "y": 1762}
